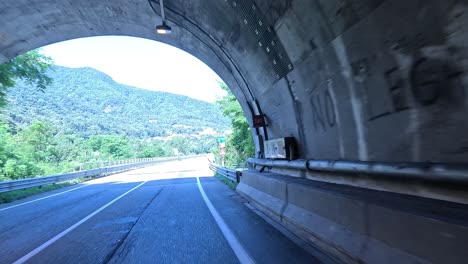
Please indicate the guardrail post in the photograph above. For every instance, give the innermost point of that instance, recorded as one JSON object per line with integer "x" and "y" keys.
{"x": 238, "y": 176}
{"x": 251, "y": 166}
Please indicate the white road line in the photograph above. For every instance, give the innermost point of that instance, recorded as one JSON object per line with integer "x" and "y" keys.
{"x": 21, "y": 204}
{"x": 241, "y": 253}
{"x": 68, "y": 230}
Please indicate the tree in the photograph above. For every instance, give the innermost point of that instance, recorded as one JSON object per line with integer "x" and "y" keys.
{"x": 151, "y": 150}
{"x": 30, "y": 67}
{"x": 239, "y": 145}
{"x": 5, "y": 142}
{"x": 111, "y": 146}
{"x": 18, "y": 169}
{"x": 37, "y": 142}
{"x": 13, "y": 161}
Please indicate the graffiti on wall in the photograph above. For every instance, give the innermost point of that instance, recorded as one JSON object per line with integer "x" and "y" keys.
{"x": 323, "y": 110}
{"x": 430, "y": 81}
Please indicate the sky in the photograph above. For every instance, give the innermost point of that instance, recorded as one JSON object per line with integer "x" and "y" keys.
{"x": 140, "y": 63}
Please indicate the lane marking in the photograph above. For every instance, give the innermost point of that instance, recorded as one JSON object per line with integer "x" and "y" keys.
{"x": 21, "y": 204}
{"x": 68, "y": 230}
{"x": 241, "y": 253}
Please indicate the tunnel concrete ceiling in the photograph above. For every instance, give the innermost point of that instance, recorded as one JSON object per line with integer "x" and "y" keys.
{"x": 368, "y": 80}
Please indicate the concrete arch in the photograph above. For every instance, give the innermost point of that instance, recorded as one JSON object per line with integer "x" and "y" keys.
{"x": 369, "y": 80}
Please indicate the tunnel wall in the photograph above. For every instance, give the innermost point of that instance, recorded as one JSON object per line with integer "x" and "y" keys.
{"x": 369, "y": 80}
{"x": 375, "y": 80}
{"x": 358, "y": 225}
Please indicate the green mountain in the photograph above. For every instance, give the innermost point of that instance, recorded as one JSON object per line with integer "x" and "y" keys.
{"x": 87, "y": 102}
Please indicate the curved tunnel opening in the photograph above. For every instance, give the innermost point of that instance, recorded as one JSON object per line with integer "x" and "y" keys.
{"x": 342, "y": 79}
{"x": 360, "y": 83}
{"x": 162, "y": 68}
{"x": 187, "y": 35}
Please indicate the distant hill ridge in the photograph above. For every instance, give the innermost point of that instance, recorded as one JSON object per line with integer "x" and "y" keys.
{"x": 87, "y": 102}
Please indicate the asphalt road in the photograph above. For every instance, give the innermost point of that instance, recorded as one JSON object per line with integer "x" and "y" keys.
{"x": 174, "y": 212}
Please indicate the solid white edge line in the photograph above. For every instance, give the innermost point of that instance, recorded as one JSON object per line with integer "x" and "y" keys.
{"x": 241, "y": 253}
{"x": 68, "y": 230}
{"x": 42, "y": 198}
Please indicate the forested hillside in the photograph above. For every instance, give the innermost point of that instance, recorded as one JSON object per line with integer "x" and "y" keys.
{"x": 85, "y": 116}
{"x": 87, "y": 102}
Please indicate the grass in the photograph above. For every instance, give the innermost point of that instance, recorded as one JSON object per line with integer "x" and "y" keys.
{"x": 228, "y": 182}
{"x": 9, "y": 197}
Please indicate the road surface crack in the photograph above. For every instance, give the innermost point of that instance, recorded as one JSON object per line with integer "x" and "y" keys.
{"x": 121, "y": 241}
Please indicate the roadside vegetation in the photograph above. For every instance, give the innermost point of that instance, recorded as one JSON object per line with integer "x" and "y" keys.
{"x": 228, "y": 182}
{"x": 30, "y": 68}
{"x": 239, "y": 143}
{"x": 41, "y": 149}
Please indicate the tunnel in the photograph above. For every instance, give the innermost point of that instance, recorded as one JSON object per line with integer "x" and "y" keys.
{"x": 373, "y": 83}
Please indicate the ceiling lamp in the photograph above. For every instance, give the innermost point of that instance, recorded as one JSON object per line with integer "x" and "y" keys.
{"x": 163, "y": 28}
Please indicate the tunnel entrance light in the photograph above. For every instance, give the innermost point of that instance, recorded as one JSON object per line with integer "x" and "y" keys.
{"x": 163, "y": 28}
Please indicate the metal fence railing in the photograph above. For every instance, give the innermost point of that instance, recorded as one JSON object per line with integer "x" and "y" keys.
{"x": 109, "y": 168}
{"x": 101, "y": 164}
{"x": 417, "y": 171}
{"x": 233, "y": 175}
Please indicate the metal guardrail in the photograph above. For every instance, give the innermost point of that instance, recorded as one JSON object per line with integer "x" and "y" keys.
{"x": 284, "y": 164}
{"x": 233, "y": 175}
{"x": 101, "y": 164}
{"x": 8, "y": 186}
{"x": 436, "y": 172}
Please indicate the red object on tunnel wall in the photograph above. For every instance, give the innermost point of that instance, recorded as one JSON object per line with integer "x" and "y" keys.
{"x": 258, "y": 121}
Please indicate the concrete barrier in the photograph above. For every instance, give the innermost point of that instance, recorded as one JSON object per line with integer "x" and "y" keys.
{"x": 358, "y": 225}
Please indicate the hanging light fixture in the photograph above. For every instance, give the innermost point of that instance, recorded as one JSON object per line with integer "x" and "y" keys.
{"x": 163, "y": 28}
